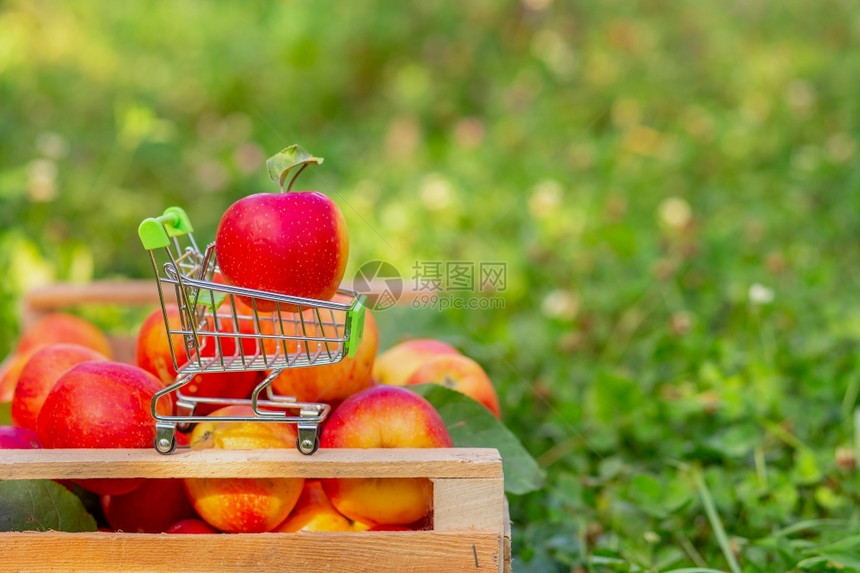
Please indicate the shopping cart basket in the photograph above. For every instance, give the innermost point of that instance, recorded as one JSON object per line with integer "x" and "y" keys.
{"x": 223, "y": 331}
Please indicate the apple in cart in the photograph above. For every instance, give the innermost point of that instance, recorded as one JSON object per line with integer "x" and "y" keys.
{"x": 40, "y": 374}
{"x": 243, "y": 505}
{"x": 51, "y": 329}
{"x": 462, "y": 374}
{"x": 151, "y": 508}
{"x": 383, "y": 417}
{"x": 331, "y": 382}
{"x": 292, "y": 242}
{"x": 398, "y": 363}
{"x": 102, "y": 404}
{"x": 152, "y": 353}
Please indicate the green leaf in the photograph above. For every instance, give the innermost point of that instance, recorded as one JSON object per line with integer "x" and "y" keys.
{"x": 806, "y": 470}
{"x": 472, "y": 425}
{"x": 845, "y": 560}
{"x": 842, "y": 545}
{"x": 736, "y": 441}
{"x": 659, "y": 498}
{"x": 41, "y": 505}
{"x": 280, "y": 164}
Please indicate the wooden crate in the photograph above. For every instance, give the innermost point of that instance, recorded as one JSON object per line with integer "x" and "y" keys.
{"x": 471, "y": 527}
{"x": 470, "y": 523}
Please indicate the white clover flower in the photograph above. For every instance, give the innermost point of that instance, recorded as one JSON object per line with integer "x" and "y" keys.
{"x": 437, "y": 194}
{"x": 561, "y": 304}
{"x": 545, "y": 199}
{"x": 759, "y": 294}
{"x": 674, "y": 212}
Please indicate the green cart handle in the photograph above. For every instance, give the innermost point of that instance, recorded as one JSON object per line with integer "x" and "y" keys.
{"x": 355, "y": 327}
{"x": 156, "y": 232}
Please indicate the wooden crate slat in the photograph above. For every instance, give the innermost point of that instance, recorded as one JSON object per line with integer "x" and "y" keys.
{"x": 368, "y": 551}
{"x": 326, "y": 463}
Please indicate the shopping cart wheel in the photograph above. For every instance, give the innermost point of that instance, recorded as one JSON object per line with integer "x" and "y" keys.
{"x": 164, "y": 446}
{"x": 165, "y": 438}
{"x": 306, "y": 447}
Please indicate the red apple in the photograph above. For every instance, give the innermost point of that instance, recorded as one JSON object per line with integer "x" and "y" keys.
{"x": 332, "y": 382}
{"x": 462, "y": 374}
{"x": 398, "y": 363}
{"x": 153, "y": 355}
{"x": 102, "y": 404}
{"x": 243, "y": 505}
{"x": 51, "y": 329}
{"x": 38, "y": 376}
{"x": 314, "y": 512}
{"x": 192, "y": 525}
{"x": 57, "y": 328}
{"x": 383, "y": 417}
{"x": 15, "y": 438}
{"x": 151, "y": 508}
{"x": 293, "y": 242}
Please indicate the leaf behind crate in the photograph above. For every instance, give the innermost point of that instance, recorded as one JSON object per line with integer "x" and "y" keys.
{"x": 472, "y": 425}
{"x": 41, "y": 505}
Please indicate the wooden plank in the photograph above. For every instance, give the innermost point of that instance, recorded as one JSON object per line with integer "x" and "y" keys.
{"x": 506, "y": 541}
{"x": 134, "y": 292}
{"x": 469, "y": 505}
{"x": 325, "y": 463}
{"x": 58, "y": 296}
{"x": 411, "y": 551}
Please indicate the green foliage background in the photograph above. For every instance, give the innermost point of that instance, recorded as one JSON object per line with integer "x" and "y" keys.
{"x": 672, "y": 185}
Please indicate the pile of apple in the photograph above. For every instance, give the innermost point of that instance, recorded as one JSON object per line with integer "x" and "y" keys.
{"x": 66, "y": 392}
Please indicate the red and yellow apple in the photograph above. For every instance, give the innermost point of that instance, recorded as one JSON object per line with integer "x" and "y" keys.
{"x": 314, "y": 512}
{"x": 153, "y": 355}
{"x": 398, "y": 363}
{"x": 59, "y": 327}
{"x": 332, "y": 382}
{"x": 151, "y": 508}
{"x": 102, "y": 404}
{"x": 10, "y": 370}
{"x": 243, "y": 505}
{"x": 383, "y": 417}
{"x": 51, "y": 329}
{"x": 37, "y": 378}
{"x": 152, "y": 350}
{"x": 462, "y": 374}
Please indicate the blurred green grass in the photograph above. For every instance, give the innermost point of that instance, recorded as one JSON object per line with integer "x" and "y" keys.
{"x": 673, "y": 187}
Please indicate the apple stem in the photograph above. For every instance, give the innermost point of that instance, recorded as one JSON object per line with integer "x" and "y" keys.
{"x": 293, "y": 180}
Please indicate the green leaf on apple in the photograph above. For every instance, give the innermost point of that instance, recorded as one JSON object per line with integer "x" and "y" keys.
{"x": 41, "y": 505}
{"x": 280, "y": 164}
{"x": 5, "y": 413}
{"x": 472, "y": 425}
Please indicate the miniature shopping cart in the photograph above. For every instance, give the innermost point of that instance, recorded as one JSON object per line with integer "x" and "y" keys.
{"x": 223, "y": 331}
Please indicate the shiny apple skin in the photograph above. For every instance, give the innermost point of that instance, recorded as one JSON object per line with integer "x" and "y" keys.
{"x": 291, "y": 243}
